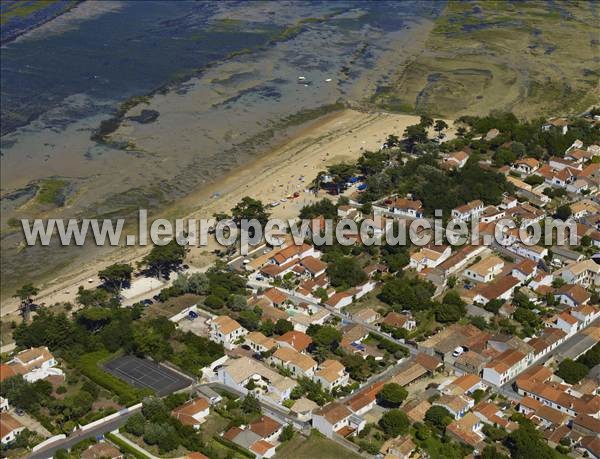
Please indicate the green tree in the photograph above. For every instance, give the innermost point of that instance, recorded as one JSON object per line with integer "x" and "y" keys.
{"x": 116, "y": 277}
{"x": 426, "y": 121}
{"x": 267, "y": 327}
{"x": 490, "y": 452}
{"x": 94, "y": 318}
{"x": 394, "y": 422}
{"x": 438, "y": 417}
{"x": 404, "y": 293}
{"x": 94, "y": 297}
{"x": 452, "y": 308}
{"x": 439, "y": 127}
{"x": 250, "y": 209}
{"x": 249, "y": 319}
{"x": 414, "y": 135}
{"x": 324, "y": 208}
{"x": 572, "y": 371}
{"x": 283, "y": 326}
{"x": 563, "y": 212}
{"x": 250, "y": 404}
{"x": 287, "y": 433}
{"x": 163, "y": 259}
{"x": 504, "y": 156}
{"x": 198, "y": 283}
{"x": 526, "y": 442}
{"x": 26, "y": 294}
{"x": 345, "y": 272}
{"x": 592, "y": 357}
{"x": 392, "y": 394}
{"x": 238, "y": 302}
{"x": 326, "y": 336}
{"x": 214, "y": 302}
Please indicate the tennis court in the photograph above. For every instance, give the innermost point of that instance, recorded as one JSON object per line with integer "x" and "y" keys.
{"x": 147, "y": 374}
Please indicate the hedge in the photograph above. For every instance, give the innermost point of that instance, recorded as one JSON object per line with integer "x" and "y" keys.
{"x": 234, "y": 446}
{"x": 89, "y": 363}
{"x": 126, "y": 447}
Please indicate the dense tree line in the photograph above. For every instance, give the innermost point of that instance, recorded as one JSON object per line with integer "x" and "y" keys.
{"x": 100, "y": 328}
{"x": 155, "y": 425}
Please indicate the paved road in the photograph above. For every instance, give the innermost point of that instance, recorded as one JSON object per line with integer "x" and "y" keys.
{"x": 75, "y": 438}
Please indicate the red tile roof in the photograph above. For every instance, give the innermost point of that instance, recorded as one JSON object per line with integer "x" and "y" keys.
{"x": 298, "y": 340}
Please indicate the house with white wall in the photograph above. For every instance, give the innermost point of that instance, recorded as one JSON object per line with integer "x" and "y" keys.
{"x": 467, "y": 211}
{"x": 504, "y": 367}
{"x": 299, "y": 365}
{"x": 336, "y": 418}
{"x": 265, "y": 383}
{"x": 226, "y": 331}
{"x": 331, "y": 374}
{"x": 10, "y": 428}
{"x": 485, "y": 270}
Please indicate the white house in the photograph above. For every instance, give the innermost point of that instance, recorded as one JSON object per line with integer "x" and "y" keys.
{"x": 34, "y": 364}
{"x": 340, "y": 300}
{"x": 331, "y": 374}
{"x": 259, "y": 342}
{"x": 504, "y": 367}
{"x": 400, "y": 206}
{"x": 560, "y": 124}
{"x": 457, "y": 405}
{"x": 525, "y": 165}
{"x": 524, "y": 270}
{"x": 192, "y": 413}
{"x": 457, "y": 159}
{"x": 566, "y": 322}
{"x": 242, "y": 373}
{"x": 226, "y": 331}
{"x": 394, "y": 319}
{"x": 572, "y": 295}
{"x": 299, "y": 364}
{"x": 491, "y": 214}
{"x": 585, "y": 314}
{"x": 429, "y": 257}
{"x": 485, "y": 270}
{"x": 585, "y": 273}
{"x": 9, "y": 428}
{"x": 501, "y": 289}
{"x": 267, "y": 428}
{"x": 468, "y": 211}
{"x": 337, "y": 418}
{"x": 533, "y": 252}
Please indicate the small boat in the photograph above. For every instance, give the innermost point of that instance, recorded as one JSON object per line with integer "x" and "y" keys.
{"x": 328, "y": 80}
{"x": 301, "y": 78}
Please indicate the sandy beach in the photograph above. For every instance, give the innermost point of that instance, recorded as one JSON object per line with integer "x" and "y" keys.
{"x": 338, "y": 137}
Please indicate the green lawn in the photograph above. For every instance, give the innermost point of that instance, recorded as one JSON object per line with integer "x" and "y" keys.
{"x": 315, "y": 446}
{"x": 214, "y": 425}
{"x": 51, "y": 191}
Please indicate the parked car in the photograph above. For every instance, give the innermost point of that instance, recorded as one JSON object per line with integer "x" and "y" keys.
{"x": 458, "y": 351}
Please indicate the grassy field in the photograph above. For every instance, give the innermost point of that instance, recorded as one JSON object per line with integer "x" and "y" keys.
{"x": 52, "y": 191}
{"x": 533, "y": 58}
{"x": 315, "y": 446}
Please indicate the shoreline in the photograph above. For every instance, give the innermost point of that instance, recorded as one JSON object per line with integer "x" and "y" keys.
{"x": 335, "y": 137}
{"x": 43, "y": 22}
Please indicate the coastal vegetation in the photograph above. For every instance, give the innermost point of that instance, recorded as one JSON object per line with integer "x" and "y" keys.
{"x": 52, "y": 191}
